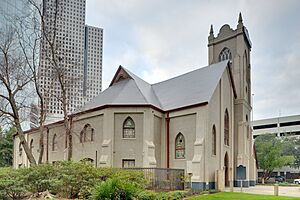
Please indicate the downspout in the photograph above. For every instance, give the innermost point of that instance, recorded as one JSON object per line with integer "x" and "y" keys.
{"x": 47, "y": 150}
{"x": 168, "y": 139}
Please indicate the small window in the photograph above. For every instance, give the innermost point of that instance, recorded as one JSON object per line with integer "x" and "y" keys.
{"x": 31, "y": 145}
{"x": 226, "y": 128}
{"x": 128, "y": 163}
{"x": 128, "y": 128}
{"x": 20, "y": 149}
{"x": 247, "y": 127}
{"x": 54, "y": 143}
{"x": 225, "y": 55}
{"x": 87, "y": 134}
{"x": 179, "y": 146}
{"x": 214, "y": 141}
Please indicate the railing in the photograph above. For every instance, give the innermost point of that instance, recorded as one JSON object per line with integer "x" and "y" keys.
{"x": 163, "y": 178}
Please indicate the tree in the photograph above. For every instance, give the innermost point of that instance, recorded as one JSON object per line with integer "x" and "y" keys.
{"x": 15, "y": 78}
{"x": 291, "y": 147}
{"x": 269, "y": 150}
{"x": 60, "y": 62}
{"x": 6, "y": 147}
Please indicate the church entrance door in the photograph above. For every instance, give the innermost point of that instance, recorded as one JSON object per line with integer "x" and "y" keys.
{"x": 226, "y": 170}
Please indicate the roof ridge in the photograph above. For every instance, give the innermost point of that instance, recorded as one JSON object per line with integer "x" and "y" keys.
{"x": 201, "y": 68}
{"x": 134, "y": 76}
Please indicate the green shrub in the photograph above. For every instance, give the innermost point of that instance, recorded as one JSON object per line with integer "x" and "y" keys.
{"x": 146, "y": 195}
{"x": 176, "y": 195}
{"x": 65, "y": 179}
{"x": 114, "y": 187}
{"x": 162, "y": 196}
{"x": 41, "y": 178}
{"x": 77, "y": 178}
{"x": 11, "y": 184}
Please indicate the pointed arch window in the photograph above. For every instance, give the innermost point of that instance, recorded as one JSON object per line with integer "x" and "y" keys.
{"x": 128, "y": 128}
{"x": 247, "y": 127}
{"x": 87, "y": 134}
{"x": 54, "y": 143}
{"x": 31, "y": 145}
{"x": 214, "y": 141}
{"x": 225, "y": 55}
{"x": 20, "y": 149}
{"x": 226, "y": 128}
{"x": 179, "y": 146}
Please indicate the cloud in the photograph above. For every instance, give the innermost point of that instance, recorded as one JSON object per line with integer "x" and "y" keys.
{"x": 158, "y": 40}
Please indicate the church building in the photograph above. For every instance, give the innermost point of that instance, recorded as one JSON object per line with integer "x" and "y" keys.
{"x": 198, "y": 121}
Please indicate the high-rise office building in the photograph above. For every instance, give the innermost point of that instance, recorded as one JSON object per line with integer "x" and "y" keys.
{"x": 9, "y": 10}
{"x": 80, "y": 56}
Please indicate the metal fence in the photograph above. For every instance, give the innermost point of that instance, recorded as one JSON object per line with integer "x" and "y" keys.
{"x": 163, "y": 178}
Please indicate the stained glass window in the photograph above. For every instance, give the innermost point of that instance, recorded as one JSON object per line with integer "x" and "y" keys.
{"x": 214, "y": 141}
{"x": 128, "y": 128}
{"x": 179, "y": 146}
{"x": 226, "y": 128}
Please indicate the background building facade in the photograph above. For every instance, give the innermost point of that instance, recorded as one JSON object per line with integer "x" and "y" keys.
{"x": 284, "y": 126}
{"x": 80, "y": 56}
{"x": 280, "y": 126}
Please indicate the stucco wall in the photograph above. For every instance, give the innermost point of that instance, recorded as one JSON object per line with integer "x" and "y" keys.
{"x": 158, "y": 140}
{"x": 88, "y": 149}
{"x": 128, "y": 148}
{"x": 185, "y": 124}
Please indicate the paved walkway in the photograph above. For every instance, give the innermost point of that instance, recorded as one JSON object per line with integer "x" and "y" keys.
{"x": 269, "y": 190}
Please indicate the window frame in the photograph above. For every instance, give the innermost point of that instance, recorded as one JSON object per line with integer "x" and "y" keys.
{"x": 128, "y": 160}
{"x": 54, "y": 142}
{"x": 226, "y": 128}
{"x": 182, "y": 148}
{"x": 214, "y": 141}
{"x": 225, "y": 54}
{"x": 126, "y": 128}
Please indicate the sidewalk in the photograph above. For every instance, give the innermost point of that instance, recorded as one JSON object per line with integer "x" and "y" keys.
{"x": 269, "y": 190}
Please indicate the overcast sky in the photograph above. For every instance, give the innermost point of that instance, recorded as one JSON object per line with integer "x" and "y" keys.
{"x": 160, "y": 39}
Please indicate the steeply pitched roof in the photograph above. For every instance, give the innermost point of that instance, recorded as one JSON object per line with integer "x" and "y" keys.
{"x": 192, "y": 88}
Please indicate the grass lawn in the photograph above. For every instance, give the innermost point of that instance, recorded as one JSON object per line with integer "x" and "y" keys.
{"x": 240, "y": 196}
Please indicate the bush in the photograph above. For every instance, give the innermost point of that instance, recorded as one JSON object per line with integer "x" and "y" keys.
{"x": 177, "y": 195}
{"x": 146, "y": 195}
{"x": 77, "y": 178}
{"x": 66, "y": 179}
{"x": 41, "y": 178}
{"x": 12, "y": 185}
{"x": 115, "y": 187}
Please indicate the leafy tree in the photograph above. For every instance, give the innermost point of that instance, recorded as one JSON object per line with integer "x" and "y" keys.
{"x": 269, "y": 149}
{"x": 6, "y": 147}
{"x": 291, "y": 147}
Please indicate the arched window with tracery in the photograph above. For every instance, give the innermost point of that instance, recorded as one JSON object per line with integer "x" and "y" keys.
{"x": 214, "y": 141}
{"x": 20, "y": 148}
{"x": 179, "y": 146}
{"x": 54, "y": 143}
{"x": 128, "y": 128}
{"x": 226, "y": 128}
{"x": 31, "y": 145}
{"x": 225, "y": 55}
{"x": 247, "y": 127}
{"x": 87, "y": 134}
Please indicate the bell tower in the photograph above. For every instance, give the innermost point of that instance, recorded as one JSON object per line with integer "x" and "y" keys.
{"x": 235, "y": 45}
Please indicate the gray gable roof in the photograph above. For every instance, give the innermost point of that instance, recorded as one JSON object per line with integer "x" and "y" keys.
{"x": 192, "y": 88}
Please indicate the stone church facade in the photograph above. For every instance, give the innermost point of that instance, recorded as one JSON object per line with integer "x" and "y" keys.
{"x": 198, "y": 121}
